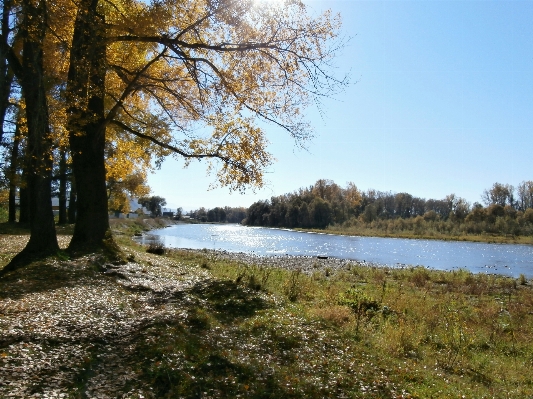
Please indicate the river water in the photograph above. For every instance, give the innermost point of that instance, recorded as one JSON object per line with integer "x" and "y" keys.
{"x": 507, "y": 259}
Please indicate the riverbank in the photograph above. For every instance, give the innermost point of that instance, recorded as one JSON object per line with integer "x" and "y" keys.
{"x": 432, "y": 235}
{"x": 208, "y": 324}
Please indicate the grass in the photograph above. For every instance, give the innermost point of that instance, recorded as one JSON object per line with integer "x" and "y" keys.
{"x": 360, "y": 332}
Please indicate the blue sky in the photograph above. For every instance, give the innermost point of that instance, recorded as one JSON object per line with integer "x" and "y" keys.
{"x": 440, "y": 102}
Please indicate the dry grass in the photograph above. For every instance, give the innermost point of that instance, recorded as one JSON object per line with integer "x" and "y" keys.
{"x": 335, "y": 315}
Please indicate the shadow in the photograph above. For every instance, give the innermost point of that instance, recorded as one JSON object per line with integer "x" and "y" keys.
{"x": 203, "y": 368}
{"x": 40, "y": 276}
{"x": 24, "y": 228}
{"x": 229, "y": 300}
{"x": 15, "y": 228}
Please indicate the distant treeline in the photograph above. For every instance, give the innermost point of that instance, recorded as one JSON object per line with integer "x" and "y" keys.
{"x": 506, "y": 210}
{"x": 220, "y": 215}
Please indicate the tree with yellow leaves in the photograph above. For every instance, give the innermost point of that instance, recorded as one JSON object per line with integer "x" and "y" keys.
{"x": 127, "y": 164}
{"x": 191, "y": 78}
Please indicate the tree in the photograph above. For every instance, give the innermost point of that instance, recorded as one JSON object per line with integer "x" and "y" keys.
{"x": 320, "y": 213}
{"x": 499, "y": 194}
{"x": 353, "y": 195}
{"x": 86, "y": 115}
{"x": 525, "y": 195}
{"x": 291, "y": 217}
{"x": 235, "y": 215}
{"x": 404, "y": 205}
{"x": 13, "y": 171}
{"x": 121, "y": 190}
{"x": 370, "y": 214}
{"x": 6, "y": 73}
{"x": 63, "y": 180}
{"x": 326, "y": 189}
{"x": 462, "y": 208}
{"x": 153, "y": 204}
{"x": 136, "y": 69}
{"x": 211, "y": 215}
{"x": 200, "y": 214}
{"x": 30, "y": 72}
{"x": 221, "y": 65}
{"x": 258, "y": 213}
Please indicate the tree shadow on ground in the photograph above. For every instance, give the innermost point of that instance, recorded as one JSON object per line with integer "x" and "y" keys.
{"x": 40, "y": 276}
{"x": 192, "y": 362}
{"x": 15, "y": 228}
{"x": 229, "y": 300}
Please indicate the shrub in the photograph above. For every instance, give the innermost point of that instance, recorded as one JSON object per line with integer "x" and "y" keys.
{"x": 420, "y": 276}
{"x": 292, "y": 287}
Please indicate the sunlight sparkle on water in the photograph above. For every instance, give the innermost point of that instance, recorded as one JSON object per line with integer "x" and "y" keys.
{"x": 444, "y": 255}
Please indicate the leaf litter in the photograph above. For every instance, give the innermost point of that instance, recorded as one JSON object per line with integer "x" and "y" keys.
{"x": 63, "y": 338}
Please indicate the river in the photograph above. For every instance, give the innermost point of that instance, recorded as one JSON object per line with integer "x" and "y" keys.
{"x": 507, "y": 259}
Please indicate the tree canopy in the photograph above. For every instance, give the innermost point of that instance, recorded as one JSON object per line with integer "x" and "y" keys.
{"x": 153, "y": 204}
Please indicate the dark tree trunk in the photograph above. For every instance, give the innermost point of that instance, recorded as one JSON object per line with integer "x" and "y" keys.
{"x": 12, "y": 213}
{"x": 86, "y": 86}
{"x": 92, "y": 219}
{"x": 6, "y": 74}
{"x": 13, "y": 177}
{"x": 43, "y": 240}
{"x": 24, "y": 203}
{"x": 72, "y": 201}
{"x": 63, "y": 187}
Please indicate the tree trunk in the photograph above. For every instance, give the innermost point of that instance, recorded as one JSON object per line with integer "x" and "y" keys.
{"x": 6, "y": 74}
{"x": 63, "y": 187}
{"x": 13, "y": 177}
{"x": 72, "y": 201}
{"x": 24, "y": 202}
{"x": 12, "y": 212}
{"x": 85, "y": 91}
{"x": 43, "y": 239}
{"x": 92, "y": 219}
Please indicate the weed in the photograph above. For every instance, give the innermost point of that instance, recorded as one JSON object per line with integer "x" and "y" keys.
{"x": 361, "y": 305}
{"x": 292, "y": 287}
{"x": 418, "y": 333}
{"x": 420, "y": 276}
{"x": 62, "y": 255}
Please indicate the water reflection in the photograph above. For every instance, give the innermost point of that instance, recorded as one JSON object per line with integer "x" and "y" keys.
{"x": 505, "y": 259}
